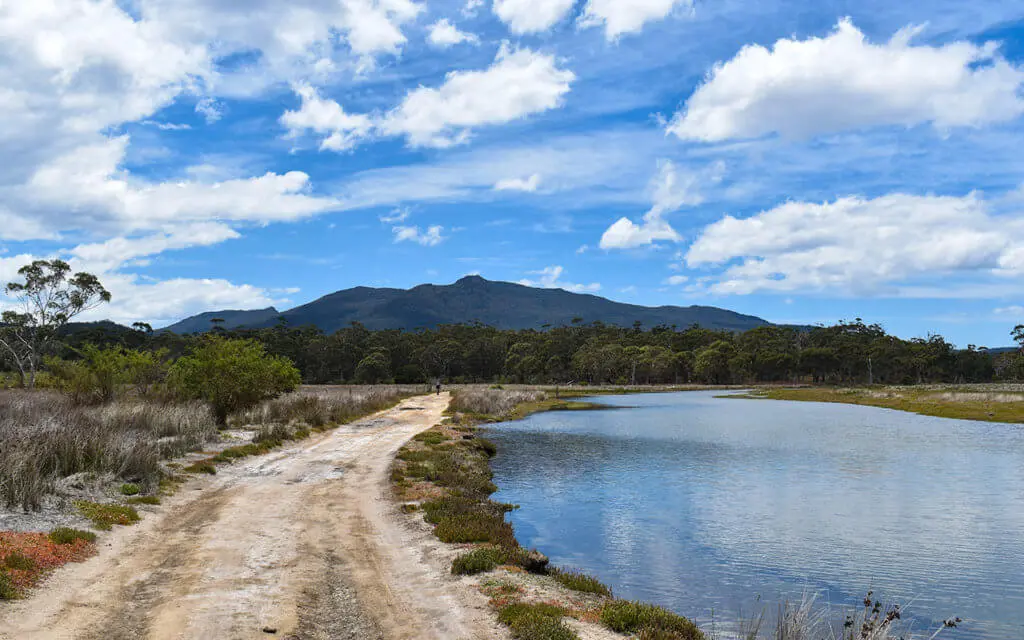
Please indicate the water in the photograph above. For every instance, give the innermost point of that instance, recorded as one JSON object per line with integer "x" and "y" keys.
{"x": 704, "y": 504}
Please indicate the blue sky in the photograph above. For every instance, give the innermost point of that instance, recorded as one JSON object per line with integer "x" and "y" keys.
{"x": 801, "y": 161}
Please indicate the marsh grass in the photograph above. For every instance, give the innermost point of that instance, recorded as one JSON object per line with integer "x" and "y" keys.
{"x": 624, "y": 616}
{"x": 989, "y": 403}
{"x": 536, "y": 622}
{"x": 44, "y": 437}
{"x": 320, "y": 407}
{"x": 811, "y": 620}
{"x": 581, "y": 582}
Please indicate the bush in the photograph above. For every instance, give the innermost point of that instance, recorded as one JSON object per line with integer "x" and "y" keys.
{"x": 479, "y": 560}
{"x": 101, "y": 373}
{"x": 203, "y": 466}
{"x": 536, "y": 622}
{"x": 581, "y": 582}
{"x": 18, "y": 561}
{"x": 7, "y": 590}
{"x": 66, "y": 535}
{"x": 624, "y": 616}
{"x": 150, "y": 500}
{"x": 105, "y": 516}
{"x": 231, "y": 375}
{"x": 130, "y": 489}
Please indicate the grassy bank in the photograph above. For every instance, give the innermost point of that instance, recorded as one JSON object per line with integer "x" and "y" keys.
{"x": 445, "y": 473}
{"x": 989, "y": 403}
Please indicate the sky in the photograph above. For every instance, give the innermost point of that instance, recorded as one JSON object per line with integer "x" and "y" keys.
{"x": 802, "y": 161}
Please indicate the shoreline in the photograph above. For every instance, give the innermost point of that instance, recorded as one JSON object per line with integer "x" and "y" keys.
{"x": 444, "y": 476}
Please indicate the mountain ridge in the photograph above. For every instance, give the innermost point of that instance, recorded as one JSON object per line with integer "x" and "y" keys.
{"x": 504, "y": 305}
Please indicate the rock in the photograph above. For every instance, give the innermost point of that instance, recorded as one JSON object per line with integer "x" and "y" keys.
{"x": 534, "y": 561}
{"x": 270, "y": 630}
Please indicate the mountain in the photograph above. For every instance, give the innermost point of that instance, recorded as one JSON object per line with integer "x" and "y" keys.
{"x": 499, "y": 304}
{"x": 232, "y": 320}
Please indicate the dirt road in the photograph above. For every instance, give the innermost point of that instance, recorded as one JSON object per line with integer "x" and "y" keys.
{"x": 303, "y": 543}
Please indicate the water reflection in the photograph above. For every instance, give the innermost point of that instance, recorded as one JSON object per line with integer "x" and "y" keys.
{"x": 701, "y": 504}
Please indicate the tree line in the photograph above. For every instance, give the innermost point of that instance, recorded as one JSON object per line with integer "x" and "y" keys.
{"x": 847, "y": 353}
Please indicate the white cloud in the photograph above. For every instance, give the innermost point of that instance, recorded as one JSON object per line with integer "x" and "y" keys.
{"x": 672, "y": 189}
{"x": 675, "y": 281}
{"x": 211, "y": 110}
{"x": 529, "y": 185}
{"x": 429, "y": 238}
{"x": 520, "y": 83}
{"x": 551, "y": 278}
{"x": 471, "y": 7}
{"x": 857, "y": 245}
{"x": 1013, "y": 311}
{"x": 111, "y": 254}
{"x": 802, "y": 88}
{"x": 396, "y": 216}
{"x": 532, "y": 16}
{"x": 341, "y": 131}
{"x": 620, "y": 17}
{"x": 167, "y": 126}
{"x": 443, "y": 35}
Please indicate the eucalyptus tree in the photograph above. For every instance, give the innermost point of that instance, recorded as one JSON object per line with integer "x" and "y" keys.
{"x": 47, "y": 297}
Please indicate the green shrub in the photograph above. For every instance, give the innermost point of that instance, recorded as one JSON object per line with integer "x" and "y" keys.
{"x": 476, "y": 527}
{"x": 581, "y": 582}
{"x": 486, "y": 446}
{"x": 99, "y": 374}
{"x": 105, "y": 516}
{"x": 66, "y": 535}
{"x": 431, "y": 438}
{"x": 19, "y": 561}
{"x": 536, "y": 622}
{"x": 203, "y": 466}
{"x": 624, "y": 616}
{"x": 479, "y": 560}
{"x": 130, "y": 489}
{"x": 7, "y": 590}
{"x": 150, "y": 500}
{"x": 231, "y": 375}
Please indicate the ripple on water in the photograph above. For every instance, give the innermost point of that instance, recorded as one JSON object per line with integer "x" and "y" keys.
{"x": 704, "y": 504}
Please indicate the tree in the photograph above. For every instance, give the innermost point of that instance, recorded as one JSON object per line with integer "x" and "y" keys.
{"x": 47, "y": 299}
{"x": 374, "y": 368}
{"x": 231, "y": 375}
{"x": 99, "y": 374}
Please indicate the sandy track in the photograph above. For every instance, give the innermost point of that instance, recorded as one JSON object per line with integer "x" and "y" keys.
{"x": 304, "y": 541}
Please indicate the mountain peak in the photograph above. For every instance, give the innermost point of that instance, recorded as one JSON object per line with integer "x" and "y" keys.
{"x": 472, "y": 299}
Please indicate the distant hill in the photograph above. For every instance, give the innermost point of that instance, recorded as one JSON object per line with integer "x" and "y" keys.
{"x": 232, "y": 320}
{"x": 473, "y": 299}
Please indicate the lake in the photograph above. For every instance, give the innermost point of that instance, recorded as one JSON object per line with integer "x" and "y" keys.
{"x": 703, "y": 504}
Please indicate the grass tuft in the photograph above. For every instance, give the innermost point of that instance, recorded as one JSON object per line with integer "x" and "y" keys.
{"x": 624, "y": 616}
{"x": 105, "y": 516}
{"x": 66, "y": 535}
{"x": 581, "y": 582}
{"x": 130, "y": 489}
{"x": 536, "y": 622}
{"x": 7, "y": 588}
{"x": 18, "y": 561}
{"x": 479, "y": 561}
{"x": 150, "y": 500}
{"x": 203, "y": 466}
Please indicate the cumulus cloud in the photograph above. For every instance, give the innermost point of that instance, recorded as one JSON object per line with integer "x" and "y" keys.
{"x": 111, "y": 254}
{"x": 551, "y": 278}
{"x": 858, "y": 245}
{"x": 529, "y": 185}
{"x": 618, "y": 17}
{"x": 443, "y": 35}
{"x": 341, "y": 131}
{"x": 532, "y": 16}
{"x": 429, "y": 238}
{"x": 471, "y": 8}
{"x": 802, "y": 88}
{"x": 672, "y": 190}
{"x": 520, "y": 83}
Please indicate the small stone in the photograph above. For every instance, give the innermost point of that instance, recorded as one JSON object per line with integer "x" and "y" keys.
{"x": 270, "y": 630}
{"x": 535, "y": 562}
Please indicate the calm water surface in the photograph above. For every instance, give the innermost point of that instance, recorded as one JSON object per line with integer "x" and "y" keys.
{"x": 702, "y": 504}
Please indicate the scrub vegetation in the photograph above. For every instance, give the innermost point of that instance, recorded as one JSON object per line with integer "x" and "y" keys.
{"x": 993, "y": 403}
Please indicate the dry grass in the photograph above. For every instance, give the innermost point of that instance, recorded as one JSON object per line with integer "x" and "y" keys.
{"x": 320, "y": 407}
{"x": 44, "y": 437}
{"x": 989, "y": 403}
